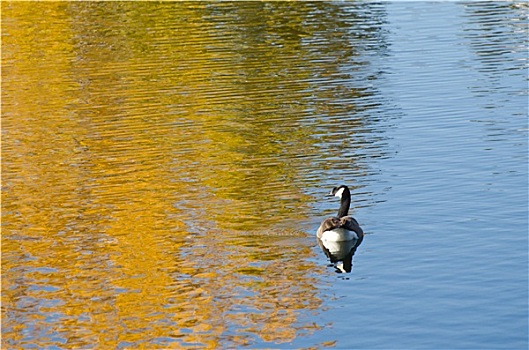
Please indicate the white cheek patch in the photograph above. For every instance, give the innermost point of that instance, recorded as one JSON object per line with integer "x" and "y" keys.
{"x": 339, "y": 193}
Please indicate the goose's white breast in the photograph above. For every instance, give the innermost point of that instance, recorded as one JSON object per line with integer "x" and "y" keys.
{"x": 338, "y": 235}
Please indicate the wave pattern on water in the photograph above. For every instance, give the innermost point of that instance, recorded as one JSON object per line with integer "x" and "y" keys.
{"x": 165, "y": 164}
{"x": 162, "y": 170}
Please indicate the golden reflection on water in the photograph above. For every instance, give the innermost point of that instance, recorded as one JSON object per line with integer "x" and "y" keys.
{"x": 153, "y": 157}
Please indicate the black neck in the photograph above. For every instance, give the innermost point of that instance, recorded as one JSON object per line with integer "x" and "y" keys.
{"x": 344, "y": 203}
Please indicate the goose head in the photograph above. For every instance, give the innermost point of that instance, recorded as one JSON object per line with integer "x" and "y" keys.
{"x": 339, "y": 192}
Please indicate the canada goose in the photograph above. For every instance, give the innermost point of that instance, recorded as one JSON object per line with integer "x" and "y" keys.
{"x": 342, "y": 227}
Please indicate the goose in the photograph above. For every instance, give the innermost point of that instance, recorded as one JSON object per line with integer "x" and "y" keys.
{"x": 342, "y": 227}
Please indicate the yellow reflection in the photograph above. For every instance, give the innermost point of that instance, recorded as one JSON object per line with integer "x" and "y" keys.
{"x": 146, "y": 166}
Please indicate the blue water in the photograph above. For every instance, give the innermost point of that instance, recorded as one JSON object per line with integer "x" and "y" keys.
{"x": 444, "y": 264}
{"x": 165, "y": 188}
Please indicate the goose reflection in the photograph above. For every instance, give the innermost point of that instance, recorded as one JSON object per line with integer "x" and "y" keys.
{"x": 341, "y": 253}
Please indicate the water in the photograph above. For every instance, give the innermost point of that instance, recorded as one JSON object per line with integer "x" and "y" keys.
{"x": 164, "y": 168}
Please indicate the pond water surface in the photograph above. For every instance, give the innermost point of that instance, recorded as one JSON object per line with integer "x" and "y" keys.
{"x": 165, "y": 165}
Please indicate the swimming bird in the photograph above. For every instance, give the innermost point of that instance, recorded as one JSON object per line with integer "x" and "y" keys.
{"x": 342, "y": 227}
